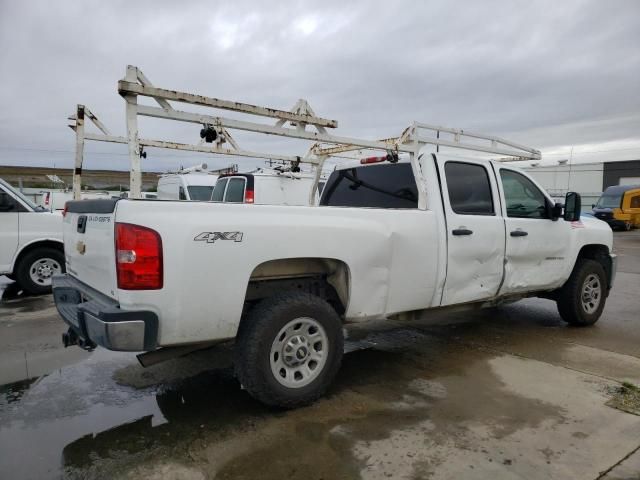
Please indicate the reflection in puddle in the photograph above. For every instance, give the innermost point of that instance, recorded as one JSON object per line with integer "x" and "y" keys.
{"x": 9, "y": 290}
{"x": 13, "y": 392}
{"x": 82, "y": 412}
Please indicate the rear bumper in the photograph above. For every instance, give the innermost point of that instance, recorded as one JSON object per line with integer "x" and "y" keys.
{"x": 95, "y": 319}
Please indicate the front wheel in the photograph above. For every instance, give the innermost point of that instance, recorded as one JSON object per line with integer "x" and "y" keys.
{"x": 289, "y": 349}
{"x": 35, "y": 270}
{"x": 581, "y": 300}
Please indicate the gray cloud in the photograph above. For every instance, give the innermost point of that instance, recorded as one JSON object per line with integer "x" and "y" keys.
{"x": 547, "y": 73}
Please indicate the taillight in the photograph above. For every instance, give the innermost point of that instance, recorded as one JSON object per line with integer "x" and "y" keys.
{"x": 46, "y": 198}
{"x": 138, "y": 257}
{"x": 248, "y": 196}
{"x": 64, "y": 210}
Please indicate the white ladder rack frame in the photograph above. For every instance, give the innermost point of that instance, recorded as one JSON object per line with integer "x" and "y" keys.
{"x": 300, "y": 117}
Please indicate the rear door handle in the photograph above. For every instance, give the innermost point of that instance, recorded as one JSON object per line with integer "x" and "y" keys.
{"x": 461, "y": 231}
{"x": 519, "y": 233}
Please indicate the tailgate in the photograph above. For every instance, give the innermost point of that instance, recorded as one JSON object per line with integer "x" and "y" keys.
{"x": 89, "y": 243}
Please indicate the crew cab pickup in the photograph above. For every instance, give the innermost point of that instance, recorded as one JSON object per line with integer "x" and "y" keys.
{"x": 387, "y": 240}
{"x": 31, "y": 249}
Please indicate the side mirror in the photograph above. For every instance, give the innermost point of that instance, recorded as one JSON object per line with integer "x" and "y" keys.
{"x": 572, "y": 203}
{"x": 593, "y": 205}
{"x": 556, "y": 211}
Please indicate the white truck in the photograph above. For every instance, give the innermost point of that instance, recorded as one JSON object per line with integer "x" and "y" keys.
{"x": 194, "y": 184}
{"x": 389, "y": 239}
{"x": 265, "y": 187}
{"x": 31, "y": 249}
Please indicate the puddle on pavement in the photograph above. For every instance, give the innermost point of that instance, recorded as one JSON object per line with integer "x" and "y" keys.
{"x": 106, "y": 417}
{"x": 13, "y": 299}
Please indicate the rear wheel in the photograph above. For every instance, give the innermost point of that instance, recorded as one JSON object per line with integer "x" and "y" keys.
{"x": 35, "y": 270}
{"x": 581, "y": 300}
{"x": 289, "y": 349}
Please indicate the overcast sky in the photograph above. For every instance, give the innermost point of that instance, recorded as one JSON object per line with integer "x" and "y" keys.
{"x": 550, "y": 74}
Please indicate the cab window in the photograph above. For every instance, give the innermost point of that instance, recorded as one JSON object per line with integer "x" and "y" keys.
{"x": 9, "y": 204}
{"x": 523, "y": 199}
{"x": 469, "y": 189}
{"x": 376, "y": 186}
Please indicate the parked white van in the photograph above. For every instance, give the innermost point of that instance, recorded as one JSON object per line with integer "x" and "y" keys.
{"x": 264, "y": 187}
{"x": 31, "y": 249}
{"x": 194, "y": 183}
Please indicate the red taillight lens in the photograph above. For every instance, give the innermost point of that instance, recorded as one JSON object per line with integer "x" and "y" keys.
{"x": 138, "y": 257}
{"x": 46, "y": 198}
{"x": 64, "y": 210}
{"x": 248, "y": 196}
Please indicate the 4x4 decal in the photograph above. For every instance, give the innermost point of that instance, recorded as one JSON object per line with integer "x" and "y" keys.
{"x": 211, "y": 237}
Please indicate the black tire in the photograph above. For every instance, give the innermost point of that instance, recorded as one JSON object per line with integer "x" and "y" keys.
{"x": 22, "y": 270}
{"x": 570, "y": 304}
{"x": 258, "y": 333}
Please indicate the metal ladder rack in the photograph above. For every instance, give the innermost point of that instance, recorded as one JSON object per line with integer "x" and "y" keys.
{"x": 216, "y": 138}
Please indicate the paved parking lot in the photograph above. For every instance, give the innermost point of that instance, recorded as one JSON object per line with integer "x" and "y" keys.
{"x": 503, "y": 393}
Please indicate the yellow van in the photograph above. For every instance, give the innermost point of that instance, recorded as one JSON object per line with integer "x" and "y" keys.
{"x": 619, "y": 206}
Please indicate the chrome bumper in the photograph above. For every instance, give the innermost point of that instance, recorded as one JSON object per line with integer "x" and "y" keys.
{"x": 95, "y": 319}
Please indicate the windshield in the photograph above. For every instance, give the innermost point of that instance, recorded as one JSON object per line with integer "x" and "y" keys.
{"x": 200, "y": 192}
{"x": 609, "y": 201}
{"x": 21, "y": 196}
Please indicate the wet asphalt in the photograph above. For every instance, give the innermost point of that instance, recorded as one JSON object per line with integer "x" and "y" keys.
{"x": 510, "y": 392}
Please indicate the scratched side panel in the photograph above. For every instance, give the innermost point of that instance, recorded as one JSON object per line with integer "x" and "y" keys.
{"x": 205, "y": 283}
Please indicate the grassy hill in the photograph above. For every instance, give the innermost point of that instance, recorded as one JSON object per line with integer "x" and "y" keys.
{"x": 36, "y": 177}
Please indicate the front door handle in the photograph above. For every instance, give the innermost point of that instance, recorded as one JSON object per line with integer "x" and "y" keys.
{"x": 519, "y": 233}
{"x": 461, "y": 231}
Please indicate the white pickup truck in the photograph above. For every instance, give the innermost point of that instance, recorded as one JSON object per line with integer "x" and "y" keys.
{"x": 31, "y": 250}
{"x": 282, "y": 280}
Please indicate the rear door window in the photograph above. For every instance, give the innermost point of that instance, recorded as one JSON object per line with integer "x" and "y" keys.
{"x": 218, "y": 190}
{"x": 469, "y": 189}
{"x": 235, "y": 191}
{"x": 376, "y": 186}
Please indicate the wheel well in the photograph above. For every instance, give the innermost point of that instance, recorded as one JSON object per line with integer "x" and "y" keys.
{"x": 325, "y": 277}
{"x": 599, "y": 253}
{"x": 34, "y": 246}
{"x": 594, "y": 252}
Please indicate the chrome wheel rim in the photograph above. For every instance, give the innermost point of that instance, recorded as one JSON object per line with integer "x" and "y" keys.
{"x": 42, "y": 270}
{"x": 299, "y": 352}
{"x": 591, "y": 293}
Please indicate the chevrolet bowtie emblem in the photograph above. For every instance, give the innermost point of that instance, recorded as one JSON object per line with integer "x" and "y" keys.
{"x": 81, "y": 247}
